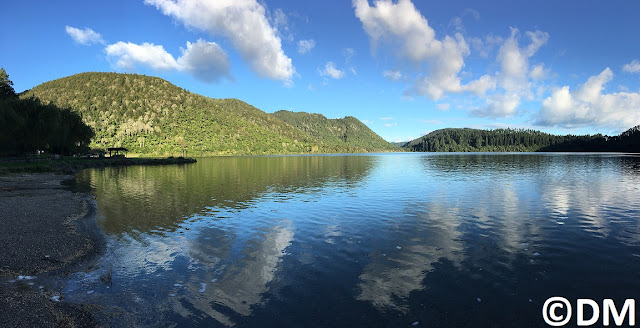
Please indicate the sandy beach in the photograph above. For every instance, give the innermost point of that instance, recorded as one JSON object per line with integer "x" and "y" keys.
{"x": 45, "y": 230}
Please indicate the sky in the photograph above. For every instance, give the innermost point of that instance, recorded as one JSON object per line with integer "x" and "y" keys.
{"x": 404, "y": 68}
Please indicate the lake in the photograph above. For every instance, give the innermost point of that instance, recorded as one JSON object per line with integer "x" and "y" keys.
{"x": 382, "y": 240}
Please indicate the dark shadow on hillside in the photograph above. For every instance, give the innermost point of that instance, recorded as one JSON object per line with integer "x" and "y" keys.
{"x": 29, "y": 126}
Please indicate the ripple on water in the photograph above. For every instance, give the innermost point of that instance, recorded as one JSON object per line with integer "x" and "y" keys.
{"x": 444, "y": 239}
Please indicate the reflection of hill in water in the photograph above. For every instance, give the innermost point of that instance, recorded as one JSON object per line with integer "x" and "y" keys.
{"x": 445, "y": 239}
{"x": 148, "y": 199}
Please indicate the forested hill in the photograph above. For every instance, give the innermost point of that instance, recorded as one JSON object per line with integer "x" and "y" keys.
{"x": 508, "y": 140}
{"x": 339, "y": 132}
{"x": 150, "y": 116}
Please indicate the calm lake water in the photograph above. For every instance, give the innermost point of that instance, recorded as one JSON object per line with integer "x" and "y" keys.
{"x": 393, "y": 240}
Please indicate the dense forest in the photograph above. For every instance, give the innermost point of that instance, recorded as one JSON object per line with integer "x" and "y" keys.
{"x": 150, "y": 116}
{"x": 27, "y": 126}
{"x": 509, "y": 140}
{"x": 348, "y": 131}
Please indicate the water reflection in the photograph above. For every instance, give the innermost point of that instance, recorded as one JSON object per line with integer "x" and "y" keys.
{"x": 430, "y": 235}
{"x": 236, "y": 285}
{"x": 474, "y": 218}
{"x": 154, "y": 199}
{"x": 449, "y": 240}
{"x": 581, "y": 186}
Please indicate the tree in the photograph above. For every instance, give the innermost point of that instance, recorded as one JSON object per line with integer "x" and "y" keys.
{"x": 6, "y": 86}
{"x": 26, "y": 125}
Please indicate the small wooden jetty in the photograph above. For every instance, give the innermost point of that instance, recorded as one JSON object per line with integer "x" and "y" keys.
{"x": 116, "y": 151}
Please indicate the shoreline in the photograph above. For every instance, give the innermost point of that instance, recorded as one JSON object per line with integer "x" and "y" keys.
{"x": 48, "y": 232}
{"x": 71, "y": 166}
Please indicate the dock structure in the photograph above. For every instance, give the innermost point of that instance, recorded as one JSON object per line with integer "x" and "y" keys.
{"x": 116, "y": 151}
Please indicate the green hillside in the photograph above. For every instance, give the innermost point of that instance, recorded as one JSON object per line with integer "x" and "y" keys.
{"x": 150, "y": 116}
{"x": 510, "y": 140}
{"x": 466, "y": 140}
{"x": 337, "y": 133}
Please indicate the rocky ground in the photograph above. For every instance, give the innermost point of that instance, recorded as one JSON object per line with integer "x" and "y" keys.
{"x": 45, "y": 229}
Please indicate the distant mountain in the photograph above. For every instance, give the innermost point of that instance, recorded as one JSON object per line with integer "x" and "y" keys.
{"x": 151, "y": 116}
{"x": 399, "y": 144}
{"x": 340, "y": 132}
{"x": 512, "y": 140}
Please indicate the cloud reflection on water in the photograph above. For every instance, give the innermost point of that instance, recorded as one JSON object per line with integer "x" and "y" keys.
{"x": 221, "y": 241}
{"x": 389, "y": 278}
{"x": 238, "y": 285}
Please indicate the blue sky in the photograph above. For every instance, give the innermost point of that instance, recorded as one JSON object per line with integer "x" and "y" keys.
{"x": 403, "y": 67}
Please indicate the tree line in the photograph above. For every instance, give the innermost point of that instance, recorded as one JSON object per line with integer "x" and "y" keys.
{"x": 522, "y": 140}
{"x": 27, "y": 125}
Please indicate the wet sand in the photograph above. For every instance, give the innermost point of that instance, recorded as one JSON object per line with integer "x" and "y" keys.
{"x": 45, "y": 229}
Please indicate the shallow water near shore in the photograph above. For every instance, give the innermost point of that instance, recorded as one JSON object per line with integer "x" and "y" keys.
{"x": 444, "y": 240}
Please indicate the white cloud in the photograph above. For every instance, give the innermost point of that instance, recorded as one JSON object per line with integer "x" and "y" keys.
{"x": 399, "y": 26}
{"x": 402, "y": 27}
{"x": 499, "y": 105}
{"x": 514, "y": 76}
{"x": 514, "y": 61}
{"x": 130, "y": 55}
{"x": 538, "y": 72}
{"x": 305, "y": 46}
{"x": 399, "y": 23}
{"x": 204, "y": 60}
{"x": 392, "y": 75}
{"x": 389, "y": 125}
{"x": 588, "y": 105}
{"x": 348, "y": 54}
{"x": 483, "y": 47}
{"x": 443, "y": 107}
{"x": 280, "y": 18}
{"x": 331, "y": 71}
{"x": 481, "y": 85}
{"x": 244, "y": 22}
{"x": 386, "y": 118}
{"x": 538, "y": 39}
{"x": 85, "y": 37}
{"x": 632, "y": 67}
{"x": 444, "y": 68}
{"x": 281, "y": 23}
{"x": 456, "y": 22}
